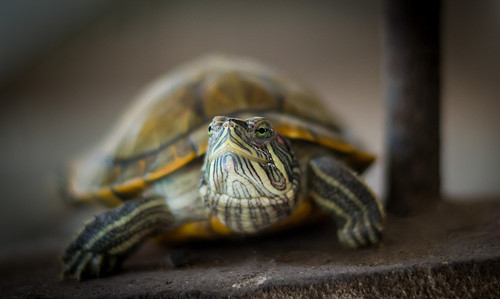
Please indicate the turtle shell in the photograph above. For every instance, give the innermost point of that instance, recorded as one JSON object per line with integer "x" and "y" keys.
{"x": 167, "y": 125}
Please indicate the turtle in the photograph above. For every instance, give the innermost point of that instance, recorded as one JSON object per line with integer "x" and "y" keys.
{"x": 220, "y": 146}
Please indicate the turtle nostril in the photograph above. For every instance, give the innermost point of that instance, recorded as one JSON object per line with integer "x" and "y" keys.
{"x": 225, "y": 125}
{"x": 231, "y": 125}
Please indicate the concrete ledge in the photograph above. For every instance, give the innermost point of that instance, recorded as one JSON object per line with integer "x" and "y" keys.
{"x": 453, "y": 250}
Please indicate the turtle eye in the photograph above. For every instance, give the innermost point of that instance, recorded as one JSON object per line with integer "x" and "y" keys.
{"x": 263, "y": 131}
{"x": 210, "y": 130}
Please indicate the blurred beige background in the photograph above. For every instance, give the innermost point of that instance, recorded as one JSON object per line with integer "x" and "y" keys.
{"x": 68, "y": 69}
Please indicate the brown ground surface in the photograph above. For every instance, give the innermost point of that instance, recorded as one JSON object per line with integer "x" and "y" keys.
{"x": 451, "y": 251}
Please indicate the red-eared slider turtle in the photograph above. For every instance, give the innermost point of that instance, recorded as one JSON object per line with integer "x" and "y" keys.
{"x": 220, "y": 146}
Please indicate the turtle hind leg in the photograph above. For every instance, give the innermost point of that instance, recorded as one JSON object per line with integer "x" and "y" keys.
{"x": 111, "y": 237}
{"x": 337, "y": 189}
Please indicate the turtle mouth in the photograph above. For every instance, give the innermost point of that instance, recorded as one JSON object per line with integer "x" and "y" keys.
{"x": 230, "y": 148}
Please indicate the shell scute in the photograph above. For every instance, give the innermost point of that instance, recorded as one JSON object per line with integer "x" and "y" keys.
{"x": 233, "y": 92}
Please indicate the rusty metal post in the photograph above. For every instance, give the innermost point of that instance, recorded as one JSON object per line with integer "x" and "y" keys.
{"x": 412, "y": 79}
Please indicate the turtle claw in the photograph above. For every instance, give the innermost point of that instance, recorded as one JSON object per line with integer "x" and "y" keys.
{"x": 81, "y": 262}
{"x": 360, "y": 232}
{"x": 85, "y": 264}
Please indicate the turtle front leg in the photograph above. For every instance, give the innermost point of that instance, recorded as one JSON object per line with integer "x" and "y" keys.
{"x": 111, "y": 237}
{"x": 337, "y": 189}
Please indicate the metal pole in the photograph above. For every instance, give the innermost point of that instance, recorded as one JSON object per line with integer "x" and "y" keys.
{"x": 412, "y": 79}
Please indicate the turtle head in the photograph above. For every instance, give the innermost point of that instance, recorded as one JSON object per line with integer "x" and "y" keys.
{"x": 250, "y": 178}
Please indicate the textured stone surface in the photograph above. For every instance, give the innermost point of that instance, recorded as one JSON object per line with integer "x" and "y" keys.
{"x": 451, "y": 251}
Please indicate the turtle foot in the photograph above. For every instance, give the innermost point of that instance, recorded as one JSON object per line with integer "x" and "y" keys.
{"x": 86, "y": 264}
{"x": 359, "y": 231}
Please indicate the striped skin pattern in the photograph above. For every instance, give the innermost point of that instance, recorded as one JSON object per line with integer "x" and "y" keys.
{"x": 109, "y": 238}
{"x": 250, "y": 179}
{"x": 338, "y": 190}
